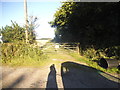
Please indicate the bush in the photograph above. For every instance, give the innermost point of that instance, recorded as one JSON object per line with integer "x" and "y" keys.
{"x": 90, "y": 53}
{"x": 21, "y": 51}
{"x": 111, "y": 52}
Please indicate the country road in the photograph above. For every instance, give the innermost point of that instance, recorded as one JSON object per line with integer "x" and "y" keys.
{"x": 62, "y": 72}
{"x": 57, "y": 76}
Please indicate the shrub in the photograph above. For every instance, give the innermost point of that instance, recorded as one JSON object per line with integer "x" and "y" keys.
{"x": 90, "y": 53}
{"x": 12, "y": 51}
{"x": 111, "y": 52}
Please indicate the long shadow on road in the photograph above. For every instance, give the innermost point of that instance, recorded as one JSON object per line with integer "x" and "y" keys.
{"x": 16, "y": 82}
{"x": 51, "y": 82}
{"x": 79, "y": 76}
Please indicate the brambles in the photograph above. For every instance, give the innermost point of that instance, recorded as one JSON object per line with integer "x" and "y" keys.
{"x": 111, "y": 52}
{"x": 20, "y": 53}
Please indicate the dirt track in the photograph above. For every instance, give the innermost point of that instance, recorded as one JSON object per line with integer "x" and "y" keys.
{"x": 57, "y": 76}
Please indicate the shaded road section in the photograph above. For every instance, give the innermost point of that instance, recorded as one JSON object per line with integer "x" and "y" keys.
{"x": 75, "y": 75}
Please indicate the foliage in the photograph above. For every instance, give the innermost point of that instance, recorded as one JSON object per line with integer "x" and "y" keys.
{"x": 92, "y": 64}
{"x": 16, "y": 33}
{"x": 91, "y": 24}
{"x": 13, "y": 33}
{"x": 18, "y": 53}
{"x": 32, "y": 25}
{"x": 14, "y": 49}
{"x": 111, "y": 52}
{"x": 90, "y": 53}
{"x": 87, "y": 22}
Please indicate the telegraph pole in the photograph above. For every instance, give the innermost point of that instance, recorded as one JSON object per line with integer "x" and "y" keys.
{"x": 26, "y": 20}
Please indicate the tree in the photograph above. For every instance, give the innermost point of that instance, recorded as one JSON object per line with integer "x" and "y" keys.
{"x": 16, "y": 33}
{"x": 13, "y": 33}
{"x": 92, "y": 24}
{"x": 88, "y": 23}
{"x": 32, "y": 25}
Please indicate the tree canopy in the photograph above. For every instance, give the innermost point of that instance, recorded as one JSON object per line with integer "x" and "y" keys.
{"x": 90, "y": 23}
{"x": 32, "y": 25}
{"x": 16, "y": 33}
{"x": 13, "y": 33}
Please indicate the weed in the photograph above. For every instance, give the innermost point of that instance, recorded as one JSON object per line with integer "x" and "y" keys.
{"x": 90, "y": 63}
{"x": 21, "y": 54}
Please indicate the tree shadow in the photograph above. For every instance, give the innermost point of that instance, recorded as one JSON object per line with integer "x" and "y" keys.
{"x": 75, "y": 75}
{"x": 51, "y": 82}
{"x": 16, "y": 82}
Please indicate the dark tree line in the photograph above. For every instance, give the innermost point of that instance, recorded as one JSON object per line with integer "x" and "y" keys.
{"x": 95, "y": 24}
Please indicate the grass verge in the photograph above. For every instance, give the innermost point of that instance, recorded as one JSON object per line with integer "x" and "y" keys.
{"x": 92, "y": 64}
{"x": 21, "y": 54}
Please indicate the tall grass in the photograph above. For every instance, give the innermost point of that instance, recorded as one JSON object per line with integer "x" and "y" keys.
{"x": 21, "y": 54}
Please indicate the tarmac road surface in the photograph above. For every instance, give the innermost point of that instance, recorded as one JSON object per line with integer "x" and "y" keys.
{"x": 65, "y": 75}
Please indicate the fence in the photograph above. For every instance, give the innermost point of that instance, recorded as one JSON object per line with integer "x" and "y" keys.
{"x": 70, "y": 46}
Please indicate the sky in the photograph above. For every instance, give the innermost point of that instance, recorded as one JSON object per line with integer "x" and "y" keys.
{"x": 44, "y": 10}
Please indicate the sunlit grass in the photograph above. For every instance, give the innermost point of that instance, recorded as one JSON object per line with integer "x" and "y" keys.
{"x": 50, "y": 56}
{"x": 27, "y": 62}
{"x": 20, "y": 55}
